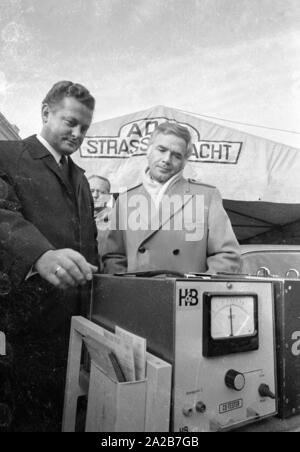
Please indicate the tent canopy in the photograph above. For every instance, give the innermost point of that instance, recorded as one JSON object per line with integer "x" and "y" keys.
{"x": 250, "y": 219}
{"x": 258, "y": 179}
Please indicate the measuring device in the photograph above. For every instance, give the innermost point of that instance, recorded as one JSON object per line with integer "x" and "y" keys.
{"x": 217, "y": 333}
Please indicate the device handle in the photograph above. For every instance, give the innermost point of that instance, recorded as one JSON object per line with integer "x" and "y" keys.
{"x": 152, "y": 273}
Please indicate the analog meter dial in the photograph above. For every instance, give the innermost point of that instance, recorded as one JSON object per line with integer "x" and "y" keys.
{"x": 232, "y": 317}
{"x": 230, "y": 323}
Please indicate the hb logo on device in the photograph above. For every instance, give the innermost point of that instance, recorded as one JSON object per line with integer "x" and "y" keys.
{"x": 188, "y": 297}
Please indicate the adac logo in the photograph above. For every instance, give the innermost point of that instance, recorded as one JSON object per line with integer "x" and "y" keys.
{"x": 296, "y": 344}
{"x": 133, "y": 139}
{"x": 188, "y": 298}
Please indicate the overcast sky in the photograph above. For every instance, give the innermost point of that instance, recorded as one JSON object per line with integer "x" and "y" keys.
{"x": 234, "y": 59}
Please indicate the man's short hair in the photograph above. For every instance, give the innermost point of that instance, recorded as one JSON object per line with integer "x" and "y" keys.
{"x": 96, "y": 176}
{"x": 173, "y": 128}
{"x": 63, "y": 89}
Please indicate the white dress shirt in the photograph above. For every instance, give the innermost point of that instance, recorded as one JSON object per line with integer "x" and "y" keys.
{"x": 51, "y": 149}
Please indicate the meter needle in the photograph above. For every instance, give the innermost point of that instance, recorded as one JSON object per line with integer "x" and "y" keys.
{"x": 231, "y": 322}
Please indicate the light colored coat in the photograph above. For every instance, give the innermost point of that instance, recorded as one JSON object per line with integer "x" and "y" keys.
{"x": 206, "y": 243}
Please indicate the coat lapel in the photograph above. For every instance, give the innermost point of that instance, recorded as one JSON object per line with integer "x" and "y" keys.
{"x": 77, "y": 174}
{"x": 139, "y": 213}
{"x": 159, "y": 218}
{"x": 179, "y": 191}
{"x": 39, "y": 152}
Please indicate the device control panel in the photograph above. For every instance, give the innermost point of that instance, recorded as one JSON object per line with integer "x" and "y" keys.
{"x": 224, "y": 373}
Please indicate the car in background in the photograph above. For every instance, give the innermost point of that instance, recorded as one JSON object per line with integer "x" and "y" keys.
{"x": 276, "y": 260}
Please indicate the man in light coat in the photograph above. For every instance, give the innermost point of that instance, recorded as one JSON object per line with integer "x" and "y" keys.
{"x": 168, "y": 222}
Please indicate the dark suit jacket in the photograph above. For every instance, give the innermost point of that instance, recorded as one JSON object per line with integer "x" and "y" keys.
{"x": 39, "y": 211}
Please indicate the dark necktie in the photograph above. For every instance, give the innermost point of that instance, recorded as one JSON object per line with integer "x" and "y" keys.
{"x": 65, "y": 169}
{"x": 64, "y": 166}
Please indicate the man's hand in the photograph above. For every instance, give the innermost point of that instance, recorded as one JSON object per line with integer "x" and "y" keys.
{"x": 64, "y": 268}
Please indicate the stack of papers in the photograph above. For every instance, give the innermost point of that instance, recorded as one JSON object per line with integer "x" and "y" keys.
{"x": 122, "y": 355}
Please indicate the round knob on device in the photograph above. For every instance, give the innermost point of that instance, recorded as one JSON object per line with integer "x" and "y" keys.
{"x": 235, "y": 380}
{"x": 187, "y": 411}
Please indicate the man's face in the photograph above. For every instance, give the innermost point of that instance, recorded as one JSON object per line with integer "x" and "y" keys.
{"x": 167, "y": 155}
{"x": 65, "y": 124}
{"x": 100, "y": 190}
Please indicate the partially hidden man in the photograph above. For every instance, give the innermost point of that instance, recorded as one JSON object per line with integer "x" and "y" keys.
{"x": 169, "y": 222}
{"x": 48, "y": 249}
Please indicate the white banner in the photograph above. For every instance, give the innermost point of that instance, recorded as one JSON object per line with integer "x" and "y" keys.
{"x": 242, "y": 166}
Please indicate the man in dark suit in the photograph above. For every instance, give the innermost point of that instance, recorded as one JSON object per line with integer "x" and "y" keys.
{"x": 48, "y": 248}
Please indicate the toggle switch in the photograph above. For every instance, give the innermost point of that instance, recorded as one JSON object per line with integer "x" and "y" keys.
{"x": 264, "y": 391}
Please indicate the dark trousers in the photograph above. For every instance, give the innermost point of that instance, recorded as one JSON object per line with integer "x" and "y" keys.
{"x": 36, "y": 320}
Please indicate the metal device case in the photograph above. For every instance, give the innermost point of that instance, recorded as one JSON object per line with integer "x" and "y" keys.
{"x": 218, "y": 335}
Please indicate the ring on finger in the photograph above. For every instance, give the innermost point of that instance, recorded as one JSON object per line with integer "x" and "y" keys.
{"x": 57, "y": 270}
